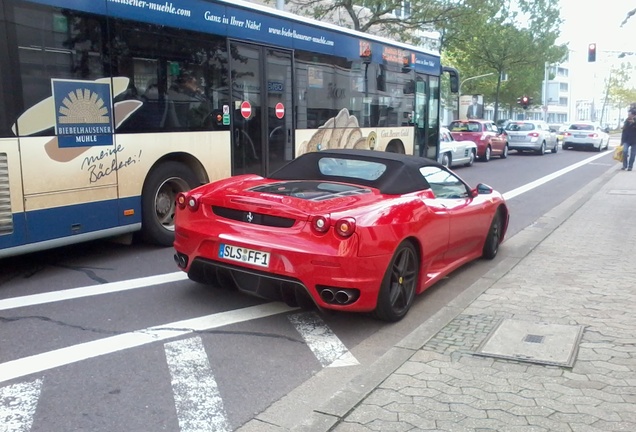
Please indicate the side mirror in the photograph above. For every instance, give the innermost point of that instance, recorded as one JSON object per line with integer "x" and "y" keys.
{"x": 607, "y": 129}
{"x": 482, "y": 189}
{"x": 453, "y": 74}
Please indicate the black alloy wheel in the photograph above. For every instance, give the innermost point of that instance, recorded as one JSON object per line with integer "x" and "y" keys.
{"x": 399, "y": 284}
{"x": 493, "y": 238}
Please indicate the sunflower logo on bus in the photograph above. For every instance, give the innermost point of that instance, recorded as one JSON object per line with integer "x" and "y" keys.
{"x": 84, "y": 113}
{"x": 83, "y": 106}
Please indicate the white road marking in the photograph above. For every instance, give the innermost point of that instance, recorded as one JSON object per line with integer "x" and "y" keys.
{"x": 196, "y": 394}
{"x": 325, "y": 345}
{"x": 64, "y": 356}
{"x": 17, "y": 405}
{"x": 538, "y": 182}
{"x": 92, "y": 290}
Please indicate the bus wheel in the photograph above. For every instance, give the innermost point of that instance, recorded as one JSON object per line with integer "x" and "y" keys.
{"x": 158, "y": 201}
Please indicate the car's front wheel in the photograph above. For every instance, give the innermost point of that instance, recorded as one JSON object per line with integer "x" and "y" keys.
{"x": 493, "y": 238}
{"x": 504, "y": 154}
{"x": 399, "y": 284}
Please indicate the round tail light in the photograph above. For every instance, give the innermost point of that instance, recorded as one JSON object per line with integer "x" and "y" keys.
{"x": 192, "y": 203}
{"x": 345, "y": 227}
{"x": 320, "y": 224}
{"x": 181, "y": 200}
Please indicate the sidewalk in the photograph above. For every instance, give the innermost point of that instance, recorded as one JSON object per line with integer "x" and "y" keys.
{"x": 562, "y": 299}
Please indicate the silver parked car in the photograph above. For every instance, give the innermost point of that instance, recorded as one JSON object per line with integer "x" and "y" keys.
{"x": 531, "y": 135}
{"x": 453, "y": 152}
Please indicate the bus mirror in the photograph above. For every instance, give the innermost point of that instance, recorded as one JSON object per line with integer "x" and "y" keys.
{"x": 453, "y": 74}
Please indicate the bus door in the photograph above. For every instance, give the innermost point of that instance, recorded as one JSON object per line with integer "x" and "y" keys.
{"x": 262, "y": 128}
{"x": 421, "y": 116}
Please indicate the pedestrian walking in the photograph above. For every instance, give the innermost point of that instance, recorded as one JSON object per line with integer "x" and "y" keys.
{"x": 628, "y": 139}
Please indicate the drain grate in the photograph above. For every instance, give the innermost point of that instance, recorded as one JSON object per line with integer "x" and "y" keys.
{"x": 534, "y": 338}
{"x": 541, "y": 343}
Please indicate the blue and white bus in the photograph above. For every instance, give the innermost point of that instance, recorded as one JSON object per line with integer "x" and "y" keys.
{"x": 109, "y": 108}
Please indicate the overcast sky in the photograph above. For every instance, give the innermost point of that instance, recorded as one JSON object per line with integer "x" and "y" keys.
{"x": 598, "y": 21}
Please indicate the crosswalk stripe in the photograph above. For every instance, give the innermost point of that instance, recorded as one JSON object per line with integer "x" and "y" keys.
{"x": 197, "y": 399}
{"x": 325, "y": 345}
{"x": 63, "y": 356}
{"x": 17, "y": 405}
{"x": 73, "y": 293}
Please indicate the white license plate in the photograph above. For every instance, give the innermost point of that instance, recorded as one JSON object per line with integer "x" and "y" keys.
{"x": 518, "y": 138}
{"x": 244, "y": 255}
{"x": 580, "y": 136}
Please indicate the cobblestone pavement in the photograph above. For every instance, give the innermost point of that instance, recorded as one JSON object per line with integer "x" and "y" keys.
{"x": 580, "y": 273}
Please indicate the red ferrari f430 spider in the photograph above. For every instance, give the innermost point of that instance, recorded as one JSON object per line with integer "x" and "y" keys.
{"x": 350, "y": 230}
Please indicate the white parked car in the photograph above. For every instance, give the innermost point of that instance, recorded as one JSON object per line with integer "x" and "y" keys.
{"x": 585, "y": 134}
{"x": 454, "y": 153}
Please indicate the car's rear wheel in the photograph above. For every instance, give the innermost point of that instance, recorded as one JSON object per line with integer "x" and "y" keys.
{"x": 600, "y": 147}
{"x": 399, "y": 284}
{"x": 158, "y": 200}
{"x": 493, "y": 238}
{"x": 541, "y": 150}
{"x": 446, "y": 160}
{"x": 487, "y": 154}
{"x": 556, "y": 147}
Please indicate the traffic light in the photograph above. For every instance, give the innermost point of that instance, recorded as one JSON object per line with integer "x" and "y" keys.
{"x": 591, "y": 52}
{"x": 524, "y": 101}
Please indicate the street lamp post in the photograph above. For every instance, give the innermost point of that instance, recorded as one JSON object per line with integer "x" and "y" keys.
{"x": 459, "y": 90}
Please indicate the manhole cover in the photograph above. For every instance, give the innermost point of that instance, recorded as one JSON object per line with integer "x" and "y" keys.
{"x": 550, "y": 344}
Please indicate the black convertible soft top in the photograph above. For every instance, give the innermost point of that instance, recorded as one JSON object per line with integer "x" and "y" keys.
{"x": 402, "y": 174}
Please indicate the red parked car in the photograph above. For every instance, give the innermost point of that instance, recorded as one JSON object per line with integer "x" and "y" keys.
{"x": 350, "y": 230}
{"x": 485, "y": 133}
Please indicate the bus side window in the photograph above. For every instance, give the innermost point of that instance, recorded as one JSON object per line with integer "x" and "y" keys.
{"x": 179, "y": 93}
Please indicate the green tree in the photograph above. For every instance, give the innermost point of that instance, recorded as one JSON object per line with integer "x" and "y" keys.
{"x": 515, "y": 40}
{"x": 376, "y": 16}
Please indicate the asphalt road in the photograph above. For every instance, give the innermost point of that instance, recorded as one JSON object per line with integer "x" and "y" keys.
{"x": 121, "y": 355}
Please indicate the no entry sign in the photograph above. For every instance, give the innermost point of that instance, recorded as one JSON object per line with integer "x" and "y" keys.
{"x": 280, "y": 110}
{"x": 246, "y": 109}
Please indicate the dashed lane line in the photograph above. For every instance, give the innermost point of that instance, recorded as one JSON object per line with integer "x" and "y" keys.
{"x": 196, "y": 395}
{"x": 17, "y": 405}
{"x": 64, "y": 356}
{"x": 325, "y": 345}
